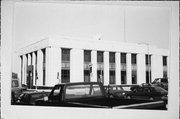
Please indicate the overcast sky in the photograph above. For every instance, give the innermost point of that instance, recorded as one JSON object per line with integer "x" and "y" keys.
{"x": 111, "y": 22}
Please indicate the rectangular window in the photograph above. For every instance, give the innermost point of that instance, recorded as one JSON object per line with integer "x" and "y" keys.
{"x": 148, "y": 76}
{"x": 134, "y": 77}
{"x": 123, "y": 58}
{"x": 31, "y": 58}
{"x": 87, "y": 56}
{"x": 123, "y": 77}
{"x": 112, "y": 57}
{"x": 86, "y": 75}
{"x": 100, "y": 76}
{"x": 100, "y": 56}
{"x": 148, "y": 59}
{"x": 65, "y": 54}
{"x": 164, "y": 60}
{"x": 35, "y": 66}
{"x": 65, "y": 76}
{"x": 133, "y": 58}
{"x": 112, "y": 77}
{"x": 44, "y": 65}
{"x": 21, "y": 67}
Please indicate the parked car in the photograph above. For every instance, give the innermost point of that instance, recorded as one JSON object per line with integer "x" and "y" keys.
{"x": 148, "y": 92}
{"x": 117, "y": 91}
{"x": 92, "y": 95}
{"x": 162, "y": 82}
{"x": 29, "y": 97}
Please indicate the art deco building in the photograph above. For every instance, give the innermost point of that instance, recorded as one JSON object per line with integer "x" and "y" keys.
{"x": 59, "y": 59}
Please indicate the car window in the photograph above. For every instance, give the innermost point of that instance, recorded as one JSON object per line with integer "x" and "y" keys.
{"x": 76, "y": 91}
{"x": 164, "y": 80}
{"x": 96, "y": 90}
{"x": 81, "y": 91}
{"x": 114, "y": 88}
{"x": 56, "y": 91}
{"x": 119, "y": 88}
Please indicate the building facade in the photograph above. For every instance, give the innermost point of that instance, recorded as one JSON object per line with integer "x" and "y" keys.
{"x": 59, "y": 59}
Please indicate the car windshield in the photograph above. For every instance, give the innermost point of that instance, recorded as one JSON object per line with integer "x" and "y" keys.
{"x": 82, "y": 91}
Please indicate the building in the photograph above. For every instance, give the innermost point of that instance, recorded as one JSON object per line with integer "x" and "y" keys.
{"x": 60, "y": 59}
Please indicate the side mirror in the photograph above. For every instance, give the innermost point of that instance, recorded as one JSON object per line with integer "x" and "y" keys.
{"x": 46, "y": 98}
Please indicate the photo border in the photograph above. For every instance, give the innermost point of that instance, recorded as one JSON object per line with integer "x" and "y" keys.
{"x": 9, "y": 111}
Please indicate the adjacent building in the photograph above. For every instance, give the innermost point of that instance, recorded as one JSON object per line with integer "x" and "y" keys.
{"x": 59, "y": 59}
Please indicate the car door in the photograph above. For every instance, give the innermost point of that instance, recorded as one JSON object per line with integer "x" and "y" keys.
{"x": 138, "y": 93}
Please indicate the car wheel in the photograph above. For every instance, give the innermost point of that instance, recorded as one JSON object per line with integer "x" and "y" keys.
{"x": 151, "y": 98}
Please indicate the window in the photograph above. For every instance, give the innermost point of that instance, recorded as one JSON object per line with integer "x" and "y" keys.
{"x": 133, "y": 59}
{"x": 87, "y": 56}
{"x": 112, "y": 77}
{"x": 44, "y": 55}
{"x": 123, "y": 77}
{"x": 100, "y": 76}
{"x": 65, "y": 76}
{"x": 112, "y": 57}
{"x": 134, "y": 77}
{"x": 100, "y": 56}
{"x": 148, "y": 59}
{"x": 65, "y": 54}
{"x": 123, "y": 57}
{"x": 164, "y": 60}
{"x": 21, "y": 68}
{"x": 82, "y": 91}
{"x": 86, "y": 76}
{"x": 44, "y": 65}
{"x": 31, "y": 58}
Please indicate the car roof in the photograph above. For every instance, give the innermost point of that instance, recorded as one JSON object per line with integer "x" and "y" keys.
{"x": 79, "y": 83}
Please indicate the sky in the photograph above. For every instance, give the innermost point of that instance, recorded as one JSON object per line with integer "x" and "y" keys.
{"x": 110, "y": 22}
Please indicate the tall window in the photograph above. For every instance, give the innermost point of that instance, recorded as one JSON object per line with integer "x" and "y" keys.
{"x": 36, "y": 75}
{"x": 112, "y": 57}
{"x": 164, "y": 66}
{"x": 100, "y": 66}
{"x": 87, "y": 62}
{"x": 65, "y": 76}
{"x": 112, "y": 68}
{"x": 123, "y": 58}
{"x": 148, "y": 59}
{"x": 164, "y": 60}
{"x": 87, "y": 56}
{"x": 65, "y": 54}
{"x": 44, "y": 65}
{"x": 133, "y": 59}
{"x": 123, "y": 68}
{"x": 134, "y": 68}
{"x": 21, "y": 57}
{"x": 100, "y": 56}
{"x": 148, "y": 68}
{"x": 65, "y": 68}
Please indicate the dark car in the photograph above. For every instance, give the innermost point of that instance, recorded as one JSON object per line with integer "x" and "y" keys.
{"x": 162, "y": 82}
{"x": 92, "y": 95}
{"x": 29, "y": 97}
{"x": 148, "y": 92}
{"x": 117, "y": 91}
